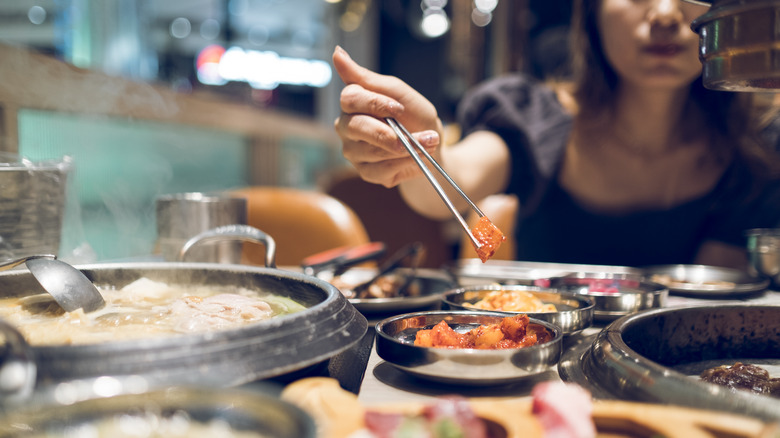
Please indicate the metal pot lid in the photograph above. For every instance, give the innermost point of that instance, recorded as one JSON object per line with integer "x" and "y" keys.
{"x": 266, "y": 349}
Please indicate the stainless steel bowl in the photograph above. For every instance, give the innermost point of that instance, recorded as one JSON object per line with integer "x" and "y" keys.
{"x": 470, "y": 272}
{"x": 706, "y": 281}
{"x": 395, "y": 344}
{"x": 430, "y": 284}
{"x": 573, "y": 314}
{"x": 763, "y": 247}
{"x": 614, "y": 295}
{"x": 110, "y": 408}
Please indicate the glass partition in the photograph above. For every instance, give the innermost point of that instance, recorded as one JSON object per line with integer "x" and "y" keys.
{"x": 120, "y": 167}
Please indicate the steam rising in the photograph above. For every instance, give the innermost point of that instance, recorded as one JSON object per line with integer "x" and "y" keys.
{"x": 121, "y": 161}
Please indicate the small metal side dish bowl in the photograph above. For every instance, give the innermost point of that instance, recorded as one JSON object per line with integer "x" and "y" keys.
{"x": 573, "y": 314}
{"x": 429, "y": 283}
{"x": 472, "y": 272}
{"x": 395, "y": 344}
{"x": 763, "y": 247}
{"x": 706, "y": 281}
{"x": 614, "y": 295}
{"x": 85, "y": 408}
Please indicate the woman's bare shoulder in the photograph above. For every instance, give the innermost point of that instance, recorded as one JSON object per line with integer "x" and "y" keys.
{"x": 564, "y": 91}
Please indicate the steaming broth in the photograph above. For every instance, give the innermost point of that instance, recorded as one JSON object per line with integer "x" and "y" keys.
{"x": 144, "y": 309}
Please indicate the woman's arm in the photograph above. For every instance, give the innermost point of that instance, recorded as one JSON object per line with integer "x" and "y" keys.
{"x": 479, "y": 163}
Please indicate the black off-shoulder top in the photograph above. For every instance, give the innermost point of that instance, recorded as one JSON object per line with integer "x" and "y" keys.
{"x": 553, "y": 227}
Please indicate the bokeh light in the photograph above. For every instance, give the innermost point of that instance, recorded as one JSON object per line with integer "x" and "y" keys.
{"x": 209, "y": 29}
{"x": 486, "y": 5}
{"x": 36, "y": 15}
{"x": 480, "y": 18}
{"x": 181, "y": 28}
{"x": 434, "y": 23}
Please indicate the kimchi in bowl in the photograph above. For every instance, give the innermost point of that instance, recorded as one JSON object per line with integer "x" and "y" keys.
{"x": 395, "y": 343}
{"x": 571, "y": 312}
{"x": 614, "y": 295}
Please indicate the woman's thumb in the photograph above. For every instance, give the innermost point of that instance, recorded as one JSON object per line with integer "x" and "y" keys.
{"x": 349, "y": 70}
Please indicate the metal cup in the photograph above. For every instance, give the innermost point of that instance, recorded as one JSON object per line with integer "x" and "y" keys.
{"x": 763, "y": 247}
{"x": 32, "y": 205}
{"x": 181, "y": 216}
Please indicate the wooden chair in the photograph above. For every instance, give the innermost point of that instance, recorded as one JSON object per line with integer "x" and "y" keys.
{"x": 502, "y": 211}
{"x": 302, "y": 222}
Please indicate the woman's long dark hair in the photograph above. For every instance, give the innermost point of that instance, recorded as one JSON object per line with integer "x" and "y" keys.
{"x": 733, "y": 118}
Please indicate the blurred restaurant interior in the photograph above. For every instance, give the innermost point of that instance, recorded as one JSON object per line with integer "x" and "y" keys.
{"x": 324, "y": 306}
{"x": 153, "y": 97}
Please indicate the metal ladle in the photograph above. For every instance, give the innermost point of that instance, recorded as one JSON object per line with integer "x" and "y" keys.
{"x": 69, "y": 287}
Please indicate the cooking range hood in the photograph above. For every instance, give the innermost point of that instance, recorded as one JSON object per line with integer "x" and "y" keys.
{"x": 739, "y": 44}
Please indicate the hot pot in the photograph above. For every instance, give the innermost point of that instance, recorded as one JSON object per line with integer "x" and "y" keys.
{"x": 657, "y": 356}
{"x": 270, "y": 348}
{"x": 124, "y": 407}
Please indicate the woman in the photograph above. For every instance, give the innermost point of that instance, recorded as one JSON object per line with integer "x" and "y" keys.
{"x": 634, "y": 164}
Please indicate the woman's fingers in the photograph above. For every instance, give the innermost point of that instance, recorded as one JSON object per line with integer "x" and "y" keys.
{"x": 366, "y": 129}
{"x": 356, "y": 99}
{"x": 353, "y": 73}
{"x": 388, "y": 173}
{"x": 381, "y": 95}
{"x": 377, "y": 164}
{"x": 368, "y": 142}
{"x": 386, "y": 144}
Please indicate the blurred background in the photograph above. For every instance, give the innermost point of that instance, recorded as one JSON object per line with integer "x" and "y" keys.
{"x": 199, "y": 95}
{"x": 439, "y": 46}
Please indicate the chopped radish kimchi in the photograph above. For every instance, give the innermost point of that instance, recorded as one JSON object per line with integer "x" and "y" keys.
{"x": 489, "y": 237}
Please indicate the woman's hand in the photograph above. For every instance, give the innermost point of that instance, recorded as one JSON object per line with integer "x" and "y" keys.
{"x": 368, "y": 141}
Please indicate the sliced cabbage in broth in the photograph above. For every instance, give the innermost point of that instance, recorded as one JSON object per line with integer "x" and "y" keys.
{"x": 144, "y": 309}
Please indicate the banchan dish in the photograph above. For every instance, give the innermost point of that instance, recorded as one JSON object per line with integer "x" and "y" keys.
{"x": 473, "y": 272}
{"x": 395, "y": 344}
{"x": 705, "y": 281}
{"x": 614, "y": 295}
{"x": 426, "y": 286}
{"x": 573, "y": 313}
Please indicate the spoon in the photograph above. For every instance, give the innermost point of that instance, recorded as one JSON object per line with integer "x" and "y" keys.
{"x": 71, "y": 289}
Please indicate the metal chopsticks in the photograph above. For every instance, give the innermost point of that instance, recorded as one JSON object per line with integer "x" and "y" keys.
{"x": 410, "y": 143}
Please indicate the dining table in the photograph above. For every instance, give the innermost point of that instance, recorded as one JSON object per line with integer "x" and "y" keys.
{"x": 362, "y": 371}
